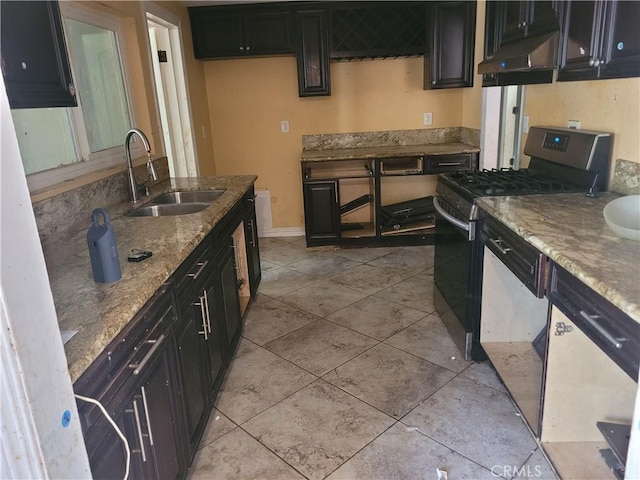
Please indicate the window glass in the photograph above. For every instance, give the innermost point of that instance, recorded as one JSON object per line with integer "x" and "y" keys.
{"x": 98, "y": 78}
{"x": 45, "y": 138}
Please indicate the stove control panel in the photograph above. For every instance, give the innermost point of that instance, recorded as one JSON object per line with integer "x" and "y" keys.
{"x": 555, "y": 141}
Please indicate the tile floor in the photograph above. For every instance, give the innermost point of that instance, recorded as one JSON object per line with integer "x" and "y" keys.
{"x": 345, "y": 371}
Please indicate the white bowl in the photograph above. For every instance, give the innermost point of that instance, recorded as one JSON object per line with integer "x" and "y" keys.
{"x": 623, "y": 216}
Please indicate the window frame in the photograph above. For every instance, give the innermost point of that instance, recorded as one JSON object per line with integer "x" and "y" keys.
{"x": 88, "y": 162}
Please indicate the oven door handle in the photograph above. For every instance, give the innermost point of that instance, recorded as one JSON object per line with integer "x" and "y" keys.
{"x": 450, "y": 218}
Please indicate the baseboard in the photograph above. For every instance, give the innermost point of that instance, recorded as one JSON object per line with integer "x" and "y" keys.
{"x": 281, "y": 232}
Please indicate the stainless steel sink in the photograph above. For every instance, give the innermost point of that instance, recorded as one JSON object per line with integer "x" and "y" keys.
{"x": 168, "y": 209}
{"x": 192, "y": 196}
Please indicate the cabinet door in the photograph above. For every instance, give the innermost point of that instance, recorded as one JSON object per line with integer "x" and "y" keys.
{"x": 253, "y": 250}
{"x": 268, "y": 33}
{"x": 452, "y": 44}
{"x": 35, "y": 65}
{"x": 157, "y": 396}
{"x": 192, "y": 355}
{"x": 622, "y": 40}
{"x": 321, "y": 210}
{"x": 216, "y": 34}
{"x": 512, "y": 17}
{"x": 313, "y": 54}
{"x": 215, "y": 339}
{"x": 581, "y": 40}
{"x": 229, "y": 303}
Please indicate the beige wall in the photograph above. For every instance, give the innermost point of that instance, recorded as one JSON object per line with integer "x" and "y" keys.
{"x": 249, "y": 97}
{"x": 607, "y": 105}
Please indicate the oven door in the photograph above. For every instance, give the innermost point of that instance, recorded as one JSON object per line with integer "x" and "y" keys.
{"x": 457, "y": 280}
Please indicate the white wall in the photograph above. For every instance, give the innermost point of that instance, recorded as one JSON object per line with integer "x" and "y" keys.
{"x": 35, "y": 389}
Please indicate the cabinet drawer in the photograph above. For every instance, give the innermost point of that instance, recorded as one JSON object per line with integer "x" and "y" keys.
{"x": 448, "y": 163}
{"x": 617, "y": 334}
{"x": 195, "y": 267}
{"x": 524, "y": 260}
{"x": 116, "y": 364}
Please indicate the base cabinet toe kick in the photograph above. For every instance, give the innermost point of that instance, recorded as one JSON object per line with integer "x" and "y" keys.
{"x": 567, "y": 356}
{"x": 158, "y": 379}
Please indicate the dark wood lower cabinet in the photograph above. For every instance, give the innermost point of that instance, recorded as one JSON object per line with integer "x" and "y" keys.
{"x": 321, "y": 210}
{"x": 159, "y": 377}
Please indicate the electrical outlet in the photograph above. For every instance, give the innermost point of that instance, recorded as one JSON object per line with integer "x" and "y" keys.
{"x": 284, "y": 126}
{"x": 574, "y": 124}
{"x": 428, "y": 118}
{"x": 525, "y": 124}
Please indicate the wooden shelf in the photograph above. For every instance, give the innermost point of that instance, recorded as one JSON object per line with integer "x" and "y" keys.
{"x": 520, "y": 369}
{"x": 578, "y": 460}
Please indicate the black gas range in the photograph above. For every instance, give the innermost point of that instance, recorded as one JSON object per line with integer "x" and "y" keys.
{"x": 562, "y": 161}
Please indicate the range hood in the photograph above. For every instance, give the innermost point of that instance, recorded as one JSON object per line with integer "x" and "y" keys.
{"x": 528, "y": 54}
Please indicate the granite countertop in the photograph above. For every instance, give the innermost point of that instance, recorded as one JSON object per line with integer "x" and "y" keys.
{"x": 386, "y": 151}
{"x": 99, "y": 311}
{"x": 570, "y": 229}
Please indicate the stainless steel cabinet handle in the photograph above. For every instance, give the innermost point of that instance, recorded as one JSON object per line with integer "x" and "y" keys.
{"x": 136, "y": 415}
{"x": 202, "y": 266}
{"x": 591, "y": 320}
{"x": 449, "y": 164}
{"x": 497, "y": 242}
{"x": 252, "y": 242}
{"x": 137, "y": 367}
{"x": 241, "y": 47}
{"x": 206, "y": 303}
{"x": 450, "y": 218}
{"x": 146, "y": 415}
{"x": 204, "y": 331}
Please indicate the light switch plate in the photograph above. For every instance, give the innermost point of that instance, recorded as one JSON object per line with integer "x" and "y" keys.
{"x": 284, "y": 126}
{"x": 428, "y": 118}
{"x": 574, "y": 124}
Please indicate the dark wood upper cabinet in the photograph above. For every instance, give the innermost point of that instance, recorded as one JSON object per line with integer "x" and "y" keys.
{"x": 378, "y": 29}
{"x": 452, "y": 41}
{"x": 525, "y": 18}
{"x": 599, "y": 40}
{"x": 235, "y": 31}
{"x": 35, "y": 65}
{"x": 313, "y": 53}
{"x": 509, "y": 21}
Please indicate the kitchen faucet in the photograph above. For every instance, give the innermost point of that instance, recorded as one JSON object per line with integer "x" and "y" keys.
{"x": 151, "y": 171}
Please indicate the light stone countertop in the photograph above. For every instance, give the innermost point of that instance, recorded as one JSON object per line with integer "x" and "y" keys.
{"x": 100, "y": 311}
{"x": 570, "y": 229}
{"x": 324, "y": 155}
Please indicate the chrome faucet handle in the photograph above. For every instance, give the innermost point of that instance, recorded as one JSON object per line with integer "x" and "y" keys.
{"x": 151, "y": 169}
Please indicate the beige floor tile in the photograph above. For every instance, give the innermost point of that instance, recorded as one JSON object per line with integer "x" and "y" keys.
{"x": 320, "y": 346}
{"x": 476, "y": 421}
{"x": 415, "y": 292}
{"x": 217, "y": 426}
{"x": 324, "y": 265}
{"x": 286, "y": 254}
{"x": 404, "y": 454}
{"x": 537, "y": 466}
{"x": 369, "y": 279}
{"x": 430, "y": 339}
{"x": 269, "y": 319}
{"x": 318, "y": 428}
{"x": 266, "y": 266}
{"x": 364, "y": 254}
{"x": 257, "y": 380}
{"x": 323, "y": 297}
{"x": 376, "y": 317}
{"x": 244, "y": 346}
{"x": 405, "y": 259}
{"x": 237, "y": 456}
{"x": 280, "y": 281}
{"x": 269, "y": 243}
{"x": 483, "y": 372}
{"x": 389, "y": 379}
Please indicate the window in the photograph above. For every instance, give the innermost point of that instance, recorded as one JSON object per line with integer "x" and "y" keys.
{"x": 61, "y": 143}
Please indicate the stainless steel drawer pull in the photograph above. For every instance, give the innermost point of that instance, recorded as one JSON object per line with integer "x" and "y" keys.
{"x": 136, "y": 415}
{"x": 204, "y": 331}
{"x": 202, "y": 266}
{"x": 206, "y": 304}
{"x": 450, "y": 164}
{"x": 252, "y": 242}
{"x": 146, "y": 415}
{"x": 137, "y": 367}
{"x": 591, "y": 320}
{"x": 497, "y": 242}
